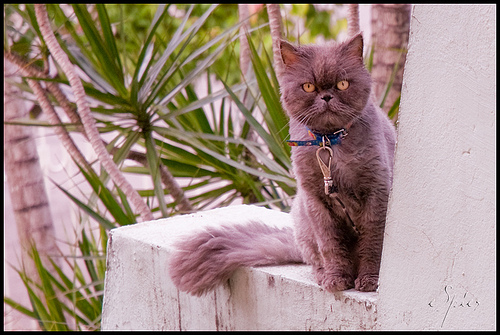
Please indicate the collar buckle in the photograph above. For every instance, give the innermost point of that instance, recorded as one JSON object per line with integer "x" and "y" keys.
{"x": 343, "y": 133}
{"x": 336, "y": 137}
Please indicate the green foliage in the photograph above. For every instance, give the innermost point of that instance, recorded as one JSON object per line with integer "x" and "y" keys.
{"x": 318, "y": 22}
{"x": 64, "y": 303}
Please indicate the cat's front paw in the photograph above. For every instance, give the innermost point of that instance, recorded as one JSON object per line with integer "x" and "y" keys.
{"x": 337, "y": 282}
{"x": 319, "y": 274}
{"x": 366, "y": 283}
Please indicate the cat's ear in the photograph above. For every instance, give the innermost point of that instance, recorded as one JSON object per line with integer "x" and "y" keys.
{"x": 289, "y": 54}
{"x": 354, "y": 47}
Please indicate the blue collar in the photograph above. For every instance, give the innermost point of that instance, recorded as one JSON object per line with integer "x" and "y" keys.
{"x": 321, "y": 139}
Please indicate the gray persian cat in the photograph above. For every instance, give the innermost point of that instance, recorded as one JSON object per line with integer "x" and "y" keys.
{"x": 343, "y": 147}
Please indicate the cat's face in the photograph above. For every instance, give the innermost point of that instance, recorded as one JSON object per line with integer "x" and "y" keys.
{"x": 324, "y": 87}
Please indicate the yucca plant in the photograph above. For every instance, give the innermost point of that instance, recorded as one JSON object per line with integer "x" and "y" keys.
{"x": 158, "y": 103}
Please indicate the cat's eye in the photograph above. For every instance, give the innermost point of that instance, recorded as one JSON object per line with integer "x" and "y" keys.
{"x": 308, "y": 87}
{"x": 343, "y": 85}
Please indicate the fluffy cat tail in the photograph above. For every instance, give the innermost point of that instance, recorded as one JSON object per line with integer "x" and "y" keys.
{"x": 208, "y": 258}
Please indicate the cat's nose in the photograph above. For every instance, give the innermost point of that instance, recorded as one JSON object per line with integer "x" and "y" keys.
{"x": 326, "y": 97}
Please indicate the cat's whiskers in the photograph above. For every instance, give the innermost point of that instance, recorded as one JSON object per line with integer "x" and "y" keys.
{"x": 306, "y": 116}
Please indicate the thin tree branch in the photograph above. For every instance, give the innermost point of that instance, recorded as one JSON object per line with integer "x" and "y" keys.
{"x": 166, "y": 177}
{"x": 52, "y": 117}
{"x": 86, "y": 116}
{"x": 177, "y": 193}
{"x": 29, "y": 70}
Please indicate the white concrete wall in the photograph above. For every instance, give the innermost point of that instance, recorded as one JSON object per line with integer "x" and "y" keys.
{"x": 438, "y": 266}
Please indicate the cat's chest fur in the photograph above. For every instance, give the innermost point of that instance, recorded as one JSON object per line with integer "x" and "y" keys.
{"x": 344, "y": 168}
{"x": 357, "y": 167}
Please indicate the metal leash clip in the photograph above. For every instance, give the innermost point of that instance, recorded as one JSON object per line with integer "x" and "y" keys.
{"x": 326, "y": 169}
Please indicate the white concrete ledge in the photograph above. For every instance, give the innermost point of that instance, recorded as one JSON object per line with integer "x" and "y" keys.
{"x": 140, "y": 296}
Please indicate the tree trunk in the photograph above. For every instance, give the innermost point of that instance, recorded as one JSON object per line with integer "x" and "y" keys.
{"x": 243, "y": 14}
{"x": 353, "y": 20}
{"x": 275, "y": 23}
{"x": 86, "y": 116}
{"x": 26, "y": 184}
{"x": 390, "y": 26}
